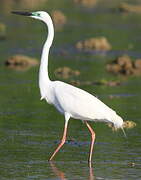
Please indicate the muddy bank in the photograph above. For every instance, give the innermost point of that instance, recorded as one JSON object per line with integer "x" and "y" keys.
{"x": 59, "y": 19}
{"x": 21, "y": 62}
{"x": 99, "y": 43}
{"x": 96, "y": 83}
{"x": 125, "y": 7}
{"x": 126, "y": 125}
{"x": 66, "y": 72}
{"x": 124, "y": 65}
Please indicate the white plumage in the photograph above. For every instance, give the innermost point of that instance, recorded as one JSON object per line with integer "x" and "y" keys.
{"x": 69, "y": 100}
{"x": 80, "y": 104}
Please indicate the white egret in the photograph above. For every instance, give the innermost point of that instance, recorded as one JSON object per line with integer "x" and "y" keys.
{"x": 71, "y": 101}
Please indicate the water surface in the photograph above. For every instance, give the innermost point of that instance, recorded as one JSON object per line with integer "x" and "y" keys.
{"x": 30, "y": 129}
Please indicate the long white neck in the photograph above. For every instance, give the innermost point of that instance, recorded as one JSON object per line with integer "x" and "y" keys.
{"x": 43, "y": 71}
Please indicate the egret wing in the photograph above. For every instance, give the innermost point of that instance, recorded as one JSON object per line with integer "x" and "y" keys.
{"x": 80, "y": 104}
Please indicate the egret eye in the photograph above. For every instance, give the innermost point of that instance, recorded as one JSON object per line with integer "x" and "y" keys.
{"x": 38, "y": 14}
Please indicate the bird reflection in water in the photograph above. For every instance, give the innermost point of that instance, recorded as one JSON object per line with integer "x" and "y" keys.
{"x": 61, "y": 175}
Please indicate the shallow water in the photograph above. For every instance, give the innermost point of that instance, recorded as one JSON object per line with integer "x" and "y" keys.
{"x": 30, "y": 129}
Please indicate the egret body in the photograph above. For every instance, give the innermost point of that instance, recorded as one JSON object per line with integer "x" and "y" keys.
{"x": 71, "y": 101}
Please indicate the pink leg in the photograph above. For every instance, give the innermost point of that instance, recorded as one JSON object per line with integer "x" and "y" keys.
{"x": 92, "y": 142}
{"x": 62, "y": 141}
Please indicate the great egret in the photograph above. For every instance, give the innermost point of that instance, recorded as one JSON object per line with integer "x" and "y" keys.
{"x": 69, "y": 100}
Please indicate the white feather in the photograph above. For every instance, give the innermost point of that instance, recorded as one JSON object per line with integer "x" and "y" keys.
{"x": 69, "y": 100}
{"x": 76, "y": 102}
{"x": 80, "y": 104}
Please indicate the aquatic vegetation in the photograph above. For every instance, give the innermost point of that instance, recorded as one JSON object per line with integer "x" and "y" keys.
{"x": 21, "y": 62}
{"x": 125, "y": 65}
{"x": 66, "y": 72}
{"x": 101, "y": 82}
{"x": 110, "y": 83}
{"x": 100, "y": 43}
{"x": 2, "y": 31}
{"x": 125, "y": 7}
{"x": 59, "y": 19}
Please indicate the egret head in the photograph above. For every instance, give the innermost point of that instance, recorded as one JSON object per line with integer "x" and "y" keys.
{"x": 41, "y": 15}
